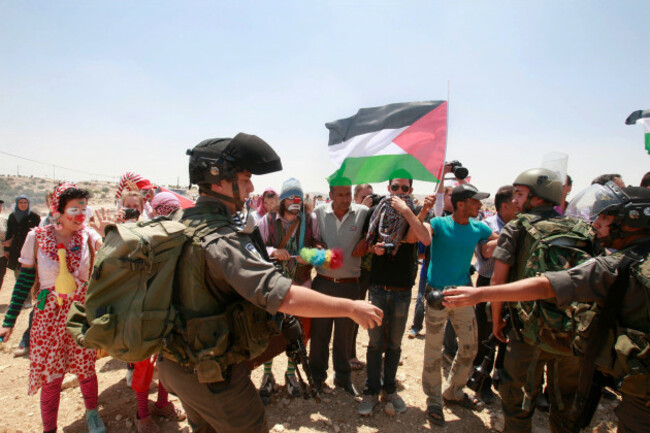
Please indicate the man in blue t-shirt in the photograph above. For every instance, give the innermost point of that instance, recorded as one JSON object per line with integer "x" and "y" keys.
{"x": 453, "y": 239}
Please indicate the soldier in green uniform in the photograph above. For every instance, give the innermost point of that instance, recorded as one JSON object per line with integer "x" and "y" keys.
{"x": 622, "y": 222}
{"x": 199, "y": 364}
{"x": 536, "y": 192}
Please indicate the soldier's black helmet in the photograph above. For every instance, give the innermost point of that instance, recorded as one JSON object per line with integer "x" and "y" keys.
{"x": 630, "y": 206}
{"x": 215, "y": 159}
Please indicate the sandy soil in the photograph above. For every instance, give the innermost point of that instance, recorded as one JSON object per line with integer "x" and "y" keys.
{"x": 337, "y": 412}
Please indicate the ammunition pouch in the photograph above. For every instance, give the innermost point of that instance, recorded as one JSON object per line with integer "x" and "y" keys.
{"x": 212, "y": 344}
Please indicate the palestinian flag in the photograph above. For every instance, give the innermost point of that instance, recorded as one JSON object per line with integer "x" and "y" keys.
{"x": 642, "y": 117}
{"x": 396, "y": 141}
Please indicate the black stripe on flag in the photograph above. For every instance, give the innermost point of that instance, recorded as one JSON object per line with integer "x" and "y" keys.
{"x": 391, "y": 116}
{"x": 634, "y": 117}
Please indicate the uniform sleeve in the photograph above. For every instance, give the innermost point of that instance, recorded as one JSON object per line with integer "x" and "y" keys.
{"x": 587, "y": 282}
{"x": 506, "y": 248}
{"x": 27, "y": 253}
{"x": 234, "y": 259}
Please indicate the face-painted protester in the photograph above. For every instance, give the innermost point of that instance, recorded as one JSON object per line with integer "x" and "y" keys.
{"x": 616, "y": 339}
{"x": 19, "y": 223}
{"x": 239, "y": 281}
{"x": 62, "y": 254}
{"x": 285, "y": 233}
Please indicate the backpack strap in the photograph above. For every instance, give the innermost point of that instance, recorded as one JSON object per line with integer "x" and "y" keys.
{"x": 605, "y": 321}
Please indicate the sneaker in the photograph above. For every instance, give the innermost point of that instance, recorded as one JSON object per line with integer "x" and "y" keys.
{"x": 293, "y": 386}
{"x": 398, "y": 403}
{"x": 267, "y": 388}
{"x": 146, "y": 425}
{"x": 367, "y": 404}
{"x": 169, "y": 411}
{"x": 21, "y": 350}
{"x": 413, "y": 333}
{"x": 94, "y": 422}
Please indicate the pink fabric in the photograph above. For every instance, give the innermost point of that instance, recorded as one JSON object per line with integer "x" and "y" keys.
{"x": 165, "y": 203}
{"x": 89, "y": 391}
{"x": 259, "y": 205}
{"x": 50, "y": 399}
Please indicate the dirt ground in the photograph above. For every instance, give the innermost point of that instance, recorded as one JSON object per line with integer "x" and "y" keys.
{"x": 336, "y": 413}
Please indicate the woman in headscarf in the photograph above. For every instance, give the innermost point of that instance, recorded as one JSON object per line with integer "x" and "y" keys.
{"x": 267, "y": 202}
{"x": 62, "y": 255}
{"x": 19, "y": 223}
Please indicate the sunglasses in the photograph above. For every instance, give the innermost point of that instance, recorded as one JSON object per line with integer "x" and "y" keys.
{"x": 394, "y": 187}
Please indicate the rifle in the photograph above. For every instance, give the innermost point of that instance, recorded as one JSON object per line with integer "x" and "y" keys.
{"x": 296, "y": 351}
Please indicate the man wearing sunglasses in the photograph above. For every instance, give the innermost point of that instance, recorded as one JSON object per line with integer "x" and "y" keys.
{"x": 392, "y": 275}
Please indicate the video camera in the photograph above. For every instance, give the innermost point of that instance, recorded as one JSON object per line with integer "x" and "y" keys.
{"x": 459, "y": 171}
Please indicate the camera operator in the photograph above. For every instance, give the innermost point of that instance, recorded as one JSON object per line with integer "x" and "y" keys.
{"x": 452, "y": 239}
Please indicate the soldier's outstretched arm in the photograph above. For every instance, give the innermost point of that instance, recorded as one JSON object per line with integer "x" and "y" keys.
{"x": 528, "y": 289}
{"x": 301, "y": 301}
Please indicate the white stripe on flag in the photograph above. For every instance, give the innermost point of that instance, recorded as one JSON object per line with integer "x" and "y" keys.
{"x": 370, "y": 144}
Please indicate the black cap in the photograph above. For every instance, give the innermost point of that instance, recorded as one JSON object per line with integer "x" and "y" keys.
{"x": 467, "y": 190}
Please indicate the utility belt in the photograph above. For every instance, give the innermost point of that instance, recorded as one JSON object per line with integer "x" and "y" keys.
{"x": 209, "y": 346}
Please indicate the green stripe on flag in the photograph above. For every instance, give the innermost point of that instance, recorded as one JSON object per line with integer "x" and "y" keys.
{"x": 380, "y": 168}
{"x": 647, "y": 142}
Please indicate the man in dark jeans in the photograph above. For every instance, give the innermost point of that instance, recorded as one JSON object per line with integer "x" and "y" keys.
{"x": 392, "y": 276}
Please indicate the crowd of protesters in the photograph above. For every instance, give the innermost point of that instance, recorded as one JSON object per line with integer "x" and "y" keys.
{"x": 385, "y": 239}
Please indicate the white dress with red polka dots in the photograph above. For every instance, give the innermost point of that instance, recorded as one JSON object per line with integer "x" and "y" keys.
{"x": 52, "y": 350}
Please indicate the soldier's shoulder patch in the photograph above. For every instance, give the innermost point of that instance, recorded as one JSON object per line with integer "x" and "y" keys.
{"x": 251, "y": 249}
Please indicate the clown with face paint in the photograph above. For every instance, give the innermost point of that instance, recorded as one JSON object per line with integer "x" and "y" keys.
{"x": 284, "y": 234}
{"x": 60, "y": 252}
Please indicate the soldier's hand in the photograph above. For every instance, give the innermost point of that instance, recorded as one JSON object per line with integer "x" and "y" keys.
{"x": 281, "y": 254}
{"x": 461, "y": 296}
{"x": 497, "y": 330}
{"x": 367, "y": 315}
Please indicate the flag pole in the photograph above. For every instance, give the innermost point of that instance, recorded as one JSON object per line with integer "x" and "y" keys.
{"x": 442, "y": 170}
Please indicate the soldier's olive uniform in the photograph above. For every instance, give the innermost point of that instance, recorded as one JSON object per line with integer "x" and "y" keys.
{"x": 197, "y": 358}
{"x": 524, "y": 363}
{"x": 629, "y": 362}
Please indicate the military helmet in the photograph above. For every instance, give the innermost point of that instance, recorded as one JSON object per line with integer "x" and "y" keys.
{"x": 630, "y": 206}
{"x": 215, "y": 159}
{"x": 543, "y": 183}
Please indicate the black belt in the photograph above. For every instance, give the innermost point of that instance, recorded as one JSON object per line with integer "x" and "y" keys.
{"x": 340, "y": 280}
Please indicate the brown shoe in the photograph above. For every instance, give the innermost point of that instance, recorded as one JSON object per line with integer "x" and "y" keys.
{"x": 147, "y": 425}
{"x": 169, "y": 411}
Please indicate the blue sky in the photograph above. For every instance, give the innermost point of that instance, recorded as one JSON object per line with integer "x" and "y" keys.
{"x": 107, "y": 87}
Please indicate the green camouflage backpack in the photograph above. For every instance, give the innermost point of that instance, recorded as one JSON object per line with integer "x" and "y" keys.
{"x": 553, "y": 244}
{"x": 128, "y": 309}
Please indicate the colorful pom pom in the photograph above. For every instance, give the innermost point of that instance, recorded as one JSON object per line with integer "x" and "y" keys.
{"x": 332, "y": 259}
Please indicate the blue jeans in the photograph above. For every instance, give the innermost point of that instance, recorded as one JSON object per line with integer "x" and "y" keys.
{"x": 387, "y": 337}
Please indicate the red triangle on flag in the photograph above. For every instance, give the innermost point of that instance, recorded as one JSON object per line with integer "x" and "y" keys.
{"x": 426, "y": 139}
